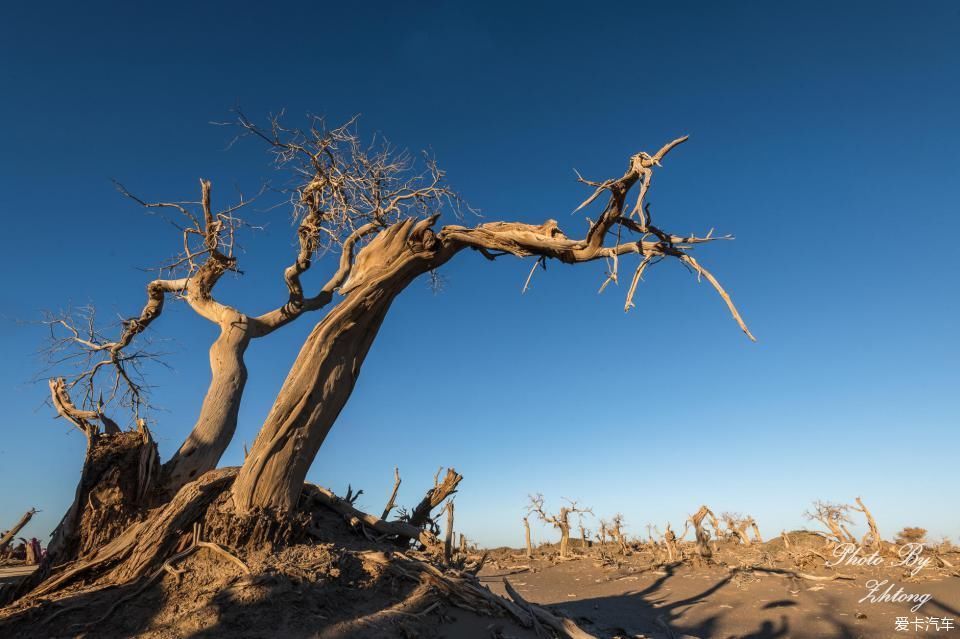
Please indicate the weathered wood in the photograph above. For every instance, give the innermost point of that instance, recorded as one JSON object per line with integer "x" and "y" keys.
{"x": 448, "y": 538}
{"x": 393, "y": 528}
{"x": 565, "y": 627}
{"x": 393, "y": 495}
{"x": 12, "y": 533}
{"x": 526, "y": 530}
{"x": 872, "y": 538}
{"x": 434, "y": 497}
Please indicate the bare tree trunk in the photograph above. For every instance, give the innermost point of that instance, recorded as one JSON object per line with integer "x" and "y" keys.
{"x": 583, "y": 537}
{"x": 448, "y": 540}
{"x": 756, "y": 532}
{"x": 393, "y": 495}
{"x": 316, "y": 390}
{"x": 12, "y": 533}
{"x": 701, "y": 535}
{"x": 526, "y": 530}
{"x": 670, "y": 541}
{"x": 564, "y": 539}
{"x": 875, "y": 541}
{"x": 215, "y": 426}
{"x": 463, "y": 544}
{"x": 325, "y": 372}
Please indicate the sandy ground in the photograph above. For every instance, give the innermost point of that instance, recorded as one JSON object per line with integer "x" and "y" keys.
{"x": 630, "y": 601}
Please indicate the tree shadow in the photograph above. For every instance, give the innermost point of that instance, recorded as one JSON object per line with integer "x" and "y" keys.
{"x": 652, "y": 611}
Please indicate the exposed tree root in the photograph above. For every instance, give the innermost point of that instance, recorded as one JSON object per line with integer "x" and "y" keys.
{"x": 464, "y": 591}
{"x": 145, "y": 545}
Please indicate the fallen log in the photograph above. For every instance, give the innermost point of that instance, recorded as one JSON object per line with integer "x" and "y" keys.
{"x": 392, "y": 528}
{"x": 565, "y": 627}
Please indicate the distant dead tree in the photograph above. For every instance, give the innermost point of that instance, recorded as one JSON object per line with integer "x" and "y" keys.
{"x": 11, "y": 534}
{"x": 756, "y": 531}
{"x": 872, "y": 538}
{"x": 583, "y": 537}
{"x": 393, "y": 494}
{"x": 834, "y": 517}
{"x": 560, "y": 521}
{"x": 374, "y": 211}
{"x": 704, "y": 552}
{"x": 526, "y": 531}
{"x": 738, "y": 524}
{"x": 602, "y": 532}
{"x": 420, "y": 516}
{"x": 786, "y": 539}
{"x": 616, "y": 529}
{"x": 670, "y": 543}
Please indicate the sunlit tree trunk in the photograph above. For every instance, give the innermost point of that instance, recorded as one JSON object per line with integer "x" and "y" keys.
{"x": 217, "y": 422}
{"x": 324, "y": 374}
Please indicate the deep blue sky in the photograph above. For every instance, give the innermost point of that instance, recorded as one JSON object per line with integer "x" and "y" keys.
{"x": 824, "y": 137}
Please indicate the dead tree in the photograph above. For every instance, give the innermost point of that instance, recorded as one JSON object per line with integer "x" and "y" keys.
{"x": 670, "y": 542}
{"x": 602, "y": 533}
{"x": 376, "y": 212}
{"x": 560, "y": 521}
{"x": 448, "y": 539}
{"x": 526, "y": 532}
{"x": 786, "y": 539}
{"x": 737, "y": 525}
{"x": 756, "y": 531}
{"x": 11, "y": 534}
{"x": 393, "y": 495}
{"x": 420, "y": 516}
{"x": 583, "y": 537}
{"x": 319, "y": 383}
{"x": 834, "y": 517}
{"x": 701, "y": 535}
{"x": 616, "y": 525}
{"x": 872, "y": 538}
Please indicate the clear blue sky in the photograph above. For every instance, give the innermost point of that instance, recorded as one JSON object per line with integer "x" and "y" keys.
{"x": 825, "y": 137}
